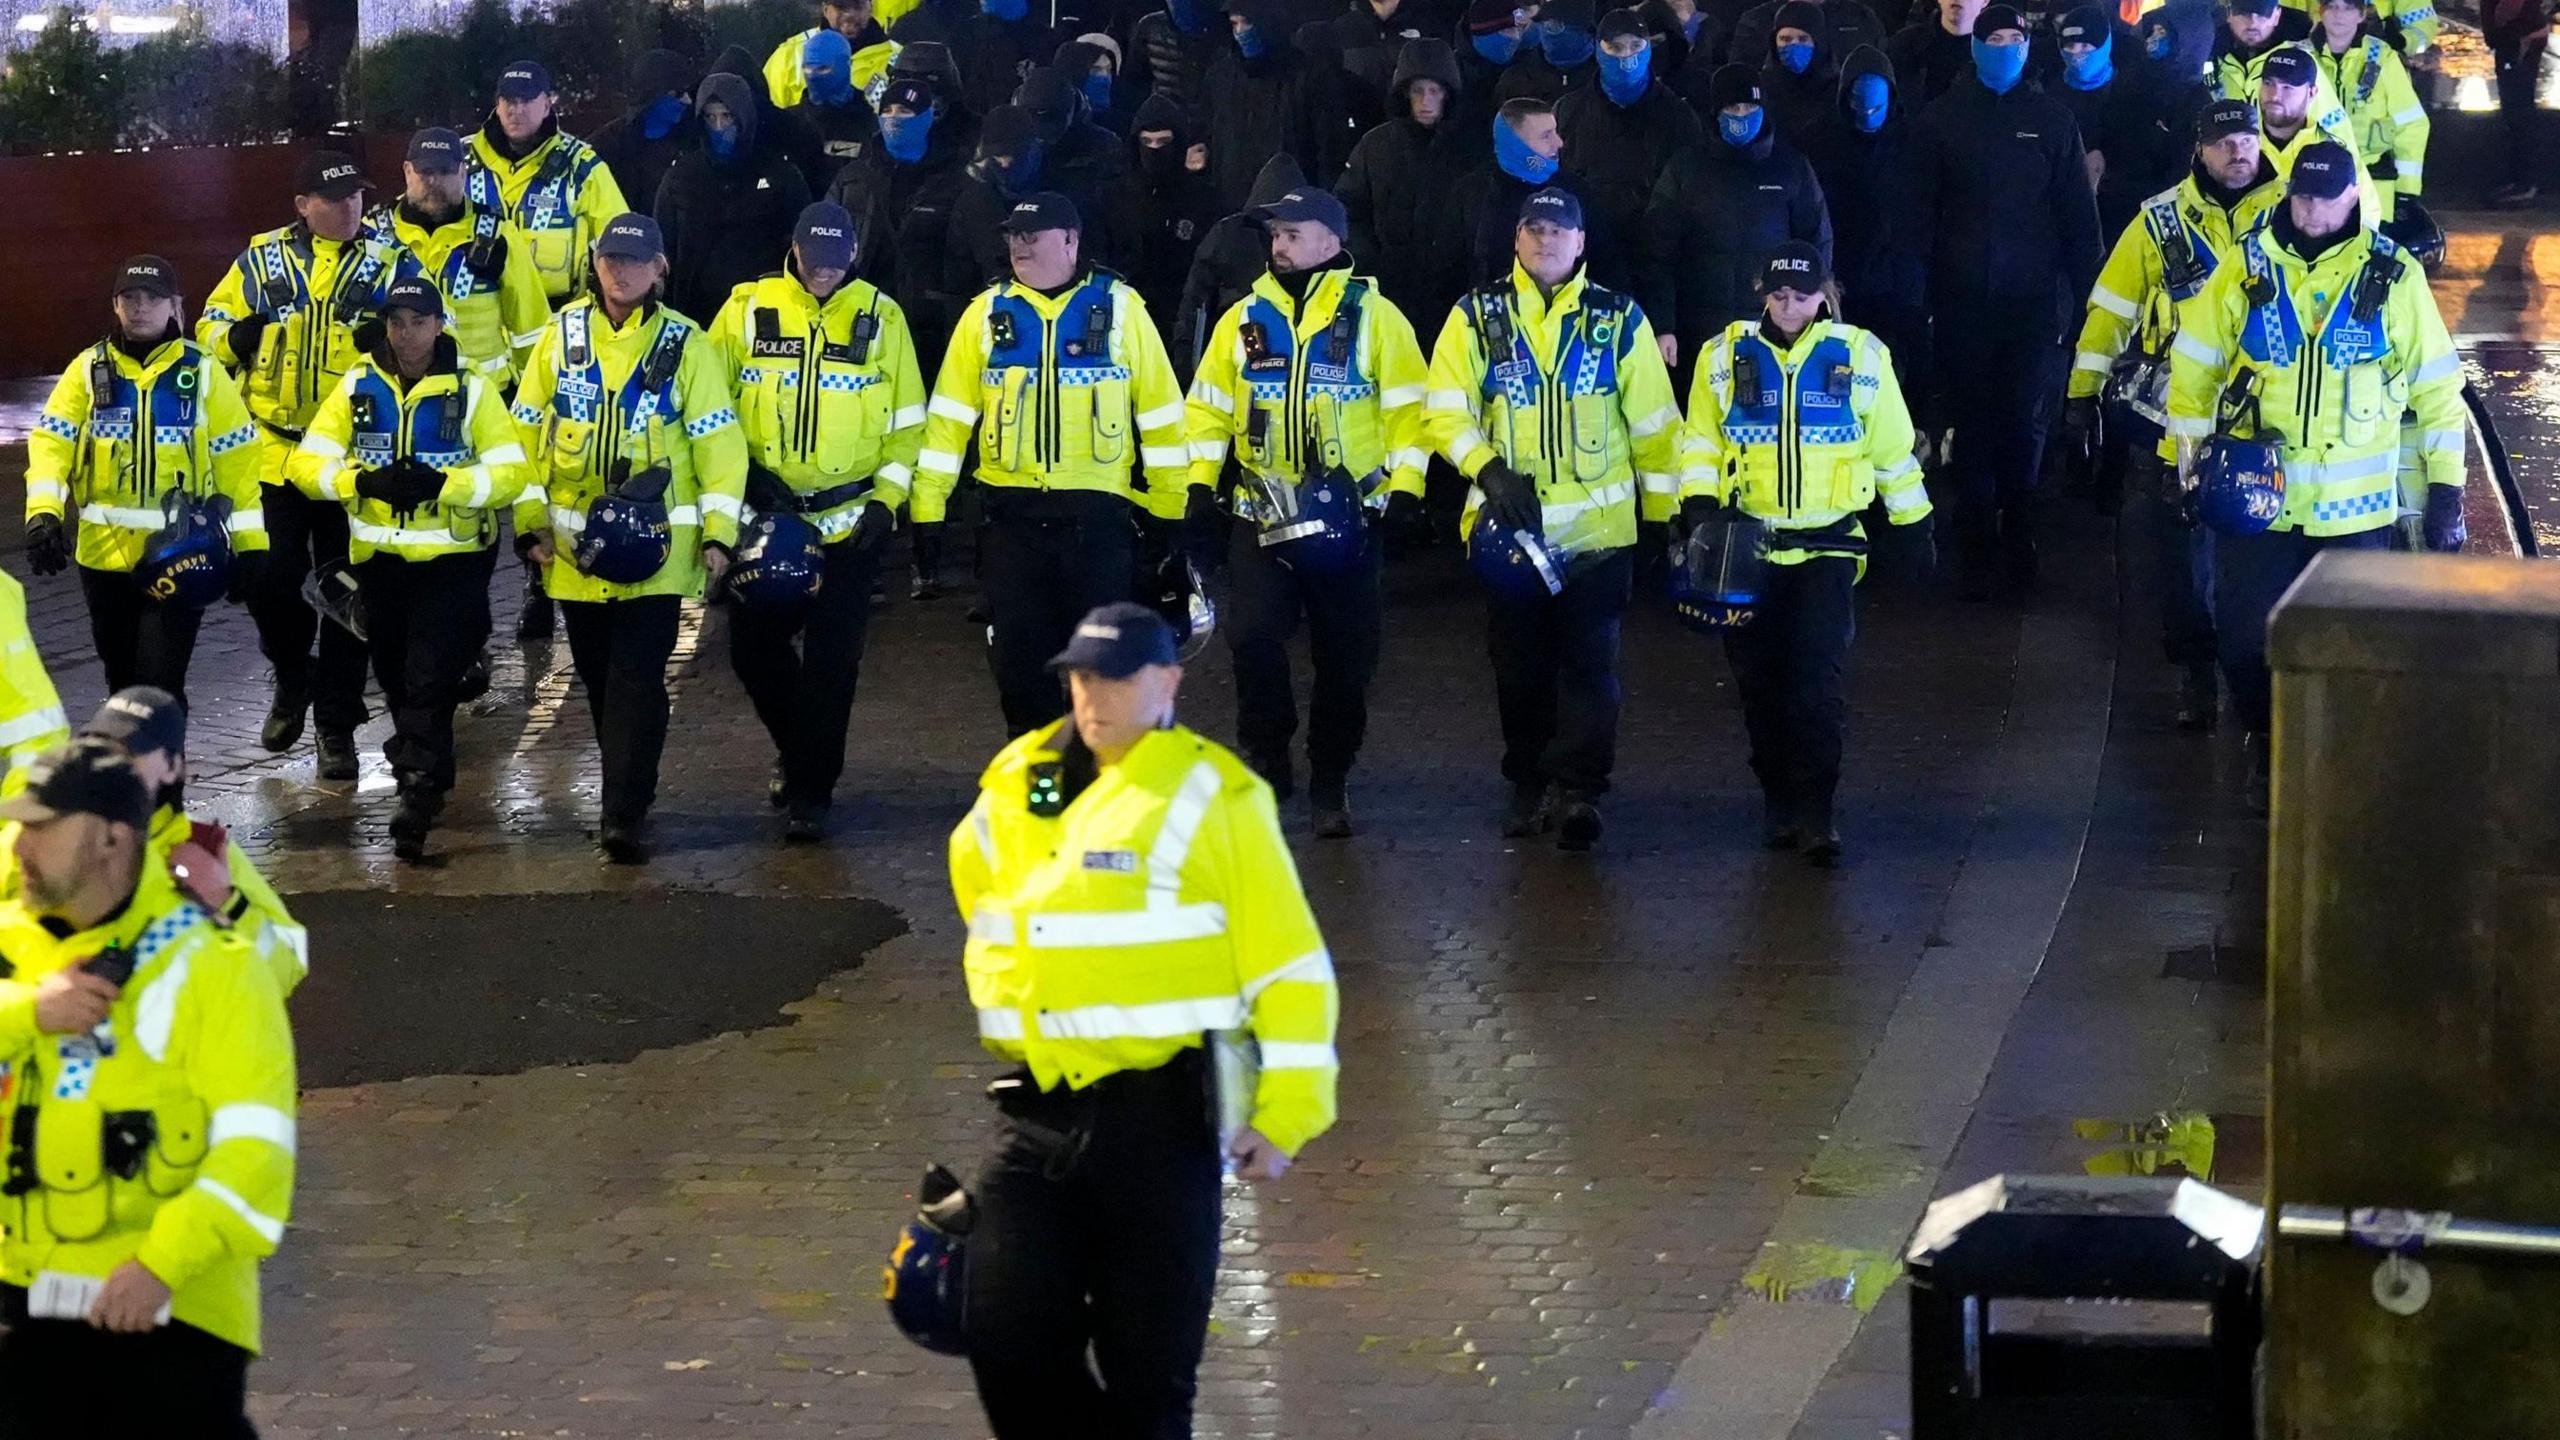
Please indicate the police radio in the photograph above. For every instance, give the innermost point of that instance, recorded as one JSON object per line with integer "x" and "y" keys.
{"x": 866, "y": 328}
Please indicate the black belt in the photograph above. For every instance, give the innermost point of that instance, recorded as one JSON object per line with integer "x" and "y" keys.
{"x": 1838, "y": 535}
{"x": 281, "y": 432}
{"x": 831, "y": 497}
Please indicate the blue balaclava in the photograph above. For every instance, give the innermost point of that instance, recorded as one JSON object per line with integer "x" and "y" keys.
{"x": 1516, "y": 158}
{"x": 1566, "y": 45}
{"x": 661, "y": 116}
{"x": 1623, "y": 78}
{"x": 2093, "y": 70}
{"x": 1008, "y": 11}
{"x": 826, "y": 62}
{"x": 1023, "y": 175}
{"x": 1870, "y": 102}
{"x": 1689, "y": 27}
{"x": 1999, "y": 66}
{"x": 905, "y": 136}
{"x": 1097, "y": 90}
{"x": 1740, "y": 130}
{"x": 1498, "y": 47}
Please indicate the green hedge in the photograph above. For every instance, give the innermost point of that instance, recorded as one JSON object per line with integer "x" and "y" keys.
{"x": 66, "y": 91}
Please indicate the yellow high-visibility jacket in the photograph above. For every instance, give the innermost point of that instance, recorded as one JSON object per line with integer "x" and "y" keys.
{"x": 2331, "y": 384}
{"x": 316, "y": 292}
{"x": 829, "y": 393}
{"x": 559, "y": 197}
{"x": 31, "y": 718}
{"x": 587, "y": 402}
{"x": 2418, "y": 21}
{"x": 202, "y": 1049}
{"x": 2390, "y": 126}
{"x": 1817, "y": 433}
{"x": 493, "y": 319}
{"x": 2137, "y": 303}
{"x": 1064, "y": 392}
{"x": 118, "y": 435}
{"x": 1161, "y": 904}
{"x": 449, "y": 418}
{"x": 1575, "y": 398}
{"x": 1347, "y": 373}
{"x": 788, "y": 85}
{"x": 256, "y": 913}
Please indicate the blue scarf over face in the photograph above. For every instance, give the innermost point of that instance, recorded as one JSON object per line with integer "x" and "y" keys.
{"x": 905, "y": 136}
{"x": 2093, "y": 70}
{"x": 1739, "y": 131}
{"x": 1008, "y": 11}
{"x": 662, "y": 116}
{"x": 1516, "y": 158}
{"x": 1566, "y": 46}
{"x": 1999, "y": 66}
{"x": 1249, "y": 42}
{"x": 1498, "y": 47}
{"x": 1622, "y": 78}
{"x": 1097, "y": 92}
{"x": 1023, "y": 175}
{"x": 1798, "y": 58}
{"x": 723, "y": 144}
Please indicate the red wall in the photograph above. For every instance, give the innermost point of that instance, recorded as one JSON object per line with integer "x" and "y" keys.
{"x": 72, "y": 219}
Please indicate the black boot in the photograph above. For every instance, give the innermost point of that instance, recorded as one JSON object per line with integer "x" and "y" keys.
{"x": 1529, "y": 813}
{"x": 536, "y": 621}
{"x": 285, "y": 716}
{"x": 411, "y": 822}
{"x": 337, "y": 754}
{"x": 805, "y": 825}
{"x": 1329, "y": 798}
{"x": 2199, "y": 698}
{"x": 1577, "y": 823}
{"x": 1821, "y": 835}
{"x": 622, "y": 842}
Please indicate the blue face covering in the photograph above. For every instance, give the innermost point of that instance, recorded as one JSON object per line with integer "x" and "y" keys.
{"x": 1740, "y": 130}
{"x": 2093, "y": 70}
{"x": 1689, "y": 27}
{"x": 1516, "y": 158}
{"x": 1097, "y": 92}
{"x": 2159, "y": 42}
{"x": 1023, "y": 175}
{"x": 663, "y": 115}
{"x": 1623, "y": 79}
{"x": 722, "y": 144}
{"x": 1189, "y": 16}
{"x": 1999, "y": 65}
{"x": 1249, "y": 42}
{"x": 1566, "y": 47}
{"x": 1870, "y": 98}
{"x": 1798, "y": 58}
{"x": 904, "y": 136}
{"x": 1497, "y": 47}
{"x": 826, "y": 63}
{"x": 1007, "y": 11}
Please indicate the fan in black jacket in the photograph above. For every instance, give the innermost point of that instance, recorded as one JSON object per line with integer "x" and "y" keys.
{"x": 1170, "y": 51}
{"x": 900, "y": 193}
{"x": 1866, "y": 152}
{"x": 1564, "y": 41}
{"x": 1401, "y": 187}
{"x": 1935, "y": 50}
{"x": 1799, "y": 69}
{"x": 727, "y": 206}
{"x": 640, "y": 145}
{"x": 1265, "y": 99}
{"x": 1178, "y": 205}
{"x": 1622, "y": 128}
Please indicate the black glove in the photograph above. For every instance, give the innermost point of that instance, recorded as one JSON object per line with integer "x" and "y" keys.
{"x": 1510, "y": 498}
{"x": 526, "y": 540}
{"x": 1699, "y": 510}
{"x": 368, "y": 335}
{"x": 766, "y": 492}
{"x": 1910, "y": 551}
{"x": 2080, "y": 421}
{"x": 1407, "y": 522}
{"x": 1203, "y": 526}
{"x": 244, "y": 338}
{"x": 2445, "y": 530}
{"x": 871, "y": 532}
{"x": 248, "y": 572}
{"x": 406, "y": 485}
{"x": 48, "y": 548}
{"x": 487, "y": 257}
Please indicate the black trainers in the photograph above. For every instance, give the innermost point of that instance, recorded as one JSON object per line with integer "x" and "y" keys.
{"x": 1529, "y": 815}
{"x": 337, "y": 755}
{"x": 284, "y": 718}
{"x": 923, "y": 585}
{"x": 1330, "y": 802}
{"x": 622, "y": 843}
{"x": 409, "y": 826}
{"x": 2199, "y": 699}
{"x": 1578, "y": 825}
{"x": 805, "y": 825}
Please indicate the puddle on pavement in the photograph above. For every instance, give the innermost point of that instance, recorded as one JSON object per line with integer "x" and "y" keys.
{"x": 1814, "y": 1273}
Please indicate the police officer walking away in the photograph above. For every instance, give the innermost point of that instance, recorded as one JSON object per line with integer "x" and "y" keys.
{"x": 143, "y": 414}
{"x": 1797, "y": 422}
{"x": 1549, "y": 393}
{"x": 628, "y": 402}
{"x": 1183, "y": 934}
{"x": 2153, "y": 277}
{"x": 1314, "y": 380}
{"x": 832, "y": 406}
{"x": 2011, "y": 229}
{"x": 284, "y": 319}
{"x": 421, "y": 451}
{"x": 2316, "y": 339}
{"x": 129, "y": 1277}
{"x": 1063, "y": 380}
{"x": 475, "y": 258}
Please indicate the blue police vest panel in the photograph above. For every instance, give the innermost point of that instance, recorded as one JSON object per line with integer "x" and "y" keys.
{"x": 546, "y": 200}
{"x": 1083, "y": 352}
{"x": 2274, "y": 331}
{"x": 578, "y": 394}
{"x": 114, "y": 411}
{"x": 1587, "y": 364}
{"x": 1825, "y": 387}
{"x": 1333, "y": 356}
{"x": 379, "y": 426}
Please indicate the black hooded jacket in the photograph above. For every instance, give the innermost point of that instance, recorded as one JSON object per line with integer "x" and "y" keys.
{"x": 2010, "y": 224}
{"x": 1795, "y": 102}
{"x": 1178, "y": 207}
{"x": 1868, "y": 181}
{"x": 1401, "y": 187}
{"x": 901, "y": 216}
{"x": 1235, "y": 251}
{"x": 776, "y": 128}
{"x": 995, "y": 55}
{"x": 1617, "y": 153}
{"x": 638, "y": 163}
{"x": 1927, "y": 60}
{"x": 1165, "y": 59}
{"x": 726, "y": 221}
{"x": 1717, "y": 214}
{"x": 1851, "y": 24}
{"x": 1275, "y": 103}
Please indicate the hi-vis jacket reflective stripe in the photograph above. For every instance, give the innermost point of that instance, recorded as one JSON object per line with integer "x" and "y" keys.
{"x": 493, "y": 322}
{"x": 1273, "y": 376}
{"x": 316, "y": 291}
{"x": 847, "y": 408}
{"x": 200, "y": 1046}
{"x": 579, "y": 419}
{"x": 106, "y": 456}
{"x": 1060, "y": 399}
{"x": 374, "y": 420}
{"x": 31, "y": 718}
{"x": 2419, "y": 23}
{"x": 2280, "y": 156}
{"x": 1162, "y": 903}
{"x": 2236, "y": 78}
{"x": 2390, "y": 126}
{"x": 2333, "y": 386}
{"x": 1578, "y": 402}
{"x": 256, "y": 913}
{"x": 788, "y": 85}
{"x": 559, "y": 197}
{"x": 1822, "y": 433}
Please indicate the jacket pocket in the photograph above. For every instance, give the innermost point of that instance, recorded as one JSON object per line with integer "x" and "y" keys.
{"x": 2364, "y": 413}
{"x": 71, "y": 1163}
{"x": 1109, "y": 442}
{"x": 177, "y": 1147}
{"x": 1587, "y": 421}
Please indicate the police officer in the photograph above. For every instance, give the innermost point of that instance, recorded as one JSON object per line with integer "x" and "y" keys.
{"x": 1797, "y": 422}
{"x": 1062, "y": 377}
{"x": 832, "y": 405}
{"x": 421, "y": 452}
{"x": 284, "y": 319}
{"x": 1549, "y": 394}
{"x": 2295, "y": 110}
{"x": 2262, "y": 354}
{"x": 31, "y": 718}
{"x": 1313, "y": 378}
{"x": 211, "y": 868}
{"x": 551, "y": 186}
{"x": 2369, "y": 80}
{"x": 143, "y": 414}
{"x": 477, "y": 261}
{"x": 2152, "y": 279}
{"x": 1182, "y": 935}
{"x": 626, "y": 398}
{"x": 151, "y": 1147}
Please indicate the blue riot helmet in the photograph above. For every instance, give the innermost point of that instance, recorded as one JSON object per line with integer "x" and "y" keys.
{"x": 1515, "y": 562}
{"x": 1719, "y": 572}
{"x": 2414, "y": 230}
{"x": 1312, "y": 525}
{"x": 627, "y": 537}
{"x": 2239, "y": 485}
{"x": 926, "y": 1279}
{"x": 780, "y": 562}
{"x": 186, "y": 563}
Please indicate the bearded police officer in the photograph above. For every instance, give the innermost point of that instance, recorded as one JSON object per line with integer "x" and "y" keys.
{"x": 1132, "y": 912}
{"x": 475, "y": 257}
